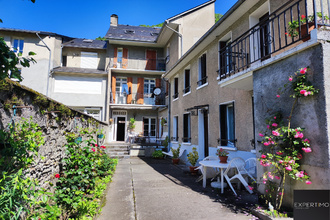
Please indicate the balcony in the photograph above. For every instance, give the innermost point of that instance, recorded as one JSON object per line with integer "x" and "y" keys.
{"x": 137, "y": 99}
{"x": 139, "y": 64}
{"x": 272, "y": 35}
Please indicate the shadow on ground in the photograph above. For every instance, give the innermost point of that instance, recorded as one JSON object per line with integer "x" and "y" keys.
{"x": 179, "y": 174}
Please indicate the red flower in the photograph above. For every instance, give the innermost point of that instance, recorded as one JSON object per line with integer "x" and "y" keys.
{"x": 103, "y": 147}
{"x": 93, "y": 149}
{"x": 57, "y": 175}
{"x": 299, "y": 156}
{"x": 303, "y": 16}
{"x": 263, "y": 156}
{"x": 96, "y": 145}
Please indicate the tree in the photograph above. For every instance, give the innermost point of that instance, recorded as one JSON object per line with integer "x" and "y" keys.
{"x": 217, "y": 17}
{"x": 9, "y": 61}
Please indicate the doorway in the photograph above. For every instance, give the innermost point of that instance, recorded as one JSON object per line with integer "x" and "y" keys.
{"x": 121, "y": 124}
{"x": 203, "y": 131}
{"x": 151, "y": 60}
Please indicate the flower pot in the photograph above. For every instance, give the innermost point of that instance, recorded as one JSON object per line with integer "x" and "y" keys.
{"x": 305, "y": 34}
{"x": 100, "y": 136}
{"x": 175, "y": 160}
{"x": 193, "y": 170}
{"x": 78, "y": 140}
{"x": 223, "y": 159}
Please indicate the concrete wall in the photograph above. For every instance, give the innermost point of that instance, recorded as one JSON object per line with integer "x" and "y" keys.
{"x": 310, "y": 113}
{"x": 53, "y": 131}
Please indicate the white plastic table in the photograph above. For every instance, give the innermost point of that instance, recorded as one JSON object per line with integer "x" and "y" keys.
{"x": 214, "y": 164}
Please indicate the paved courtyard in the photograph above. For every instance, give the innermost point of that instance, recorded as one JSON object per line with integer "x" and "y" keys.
{"x": 148, "y": 189}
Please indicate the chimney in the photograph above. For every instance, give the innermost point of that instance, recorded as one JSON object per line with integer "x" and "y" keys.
{"x": 114, "y": 20}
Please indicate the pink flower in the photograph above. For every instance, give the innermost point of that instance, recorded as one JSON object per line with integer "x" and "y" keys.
{"x": 279, "y": 153}
{"x": 280, "y": 161}
{"x": 276, "y": 133}
{"x": 307, "y": 149}
{"x": 270, "y": 175}
{"x": 266, "y": 190}
{"x": 289, "y": 168}
{"x": 268, "y": 126}
{"x": 275, "y": 117}
{"x": 300, "y": 174}
{"x": 303, "y": 70}
{"x": 263, "y": 156}
{"x": 96, "y": 145}
{"x": 291, "y": 161}
{"x": 280, "y": 193}
{"x": 299, "y": 135}
{"x": 103, "y": 147}
{"x": 93, "y": 149}
{"x": 278, "y": 96}
{"x": 266, "y": 143}
{"x": 290, "y": 79}
{"x": 308, "y": 182}
{"x": 57, "y": 175}
{"x": 306, "y": 140}
{"x": 250, "y": 187}
{"x": 274, "y": 125}
{"x": 264, "y": 163}
{"x": 261, "y": 135}
{"x": 277, "y": 177}
{"x": 303, "y": 91}
{"x": 264, "y": 182}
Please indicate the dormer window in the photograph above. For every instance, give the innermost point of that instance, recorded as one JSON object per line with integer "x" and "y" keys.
{"x": 129, "y": 32}
{"x": 154, "y": 34}
{"x": 87, "y": 41}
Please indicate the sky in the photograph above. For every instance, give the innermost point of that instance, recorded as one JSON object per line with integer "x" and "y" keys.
{"x": 91, "y": 19}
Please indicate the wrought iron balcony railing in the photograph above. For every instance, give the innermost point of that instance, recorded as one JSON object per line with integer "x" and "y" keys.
{"x": 139, "y": 64}
{"x": 272, "y": 35}
{"x": 137, "y": 98}
{"x": 202, "y": 81}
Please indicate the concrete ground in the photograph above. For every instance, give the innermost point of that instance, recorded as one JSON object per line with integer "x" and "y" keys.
{"x": 149, "y": 189}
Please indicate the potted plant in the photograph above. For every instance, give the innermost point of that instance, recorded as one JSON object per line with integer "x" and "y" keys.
{"x": 193, "y": 158}
{"x": 176, "y": 153}
{"x": 100, "y": 134}
{"x": 223, "y": 155}
{"x": 131, "y": 125}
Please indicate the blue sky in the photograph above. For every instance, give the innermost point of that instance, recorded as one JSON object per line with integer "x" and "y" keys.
{"x": 90, "y": 19}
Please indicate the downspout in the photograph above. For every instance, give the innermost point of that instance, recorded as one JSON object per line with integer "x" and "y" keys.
{"x": 169, "y": 111}
{"x": 180, "y": 35}
{"x": 49, "y": 63}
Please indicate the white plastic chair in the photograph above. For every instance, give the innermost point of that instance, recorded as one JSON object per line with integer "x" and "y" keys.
{"x": 210, "y": 172}
{"x": 251, "y": 169}
{"x": 239, "y": 164}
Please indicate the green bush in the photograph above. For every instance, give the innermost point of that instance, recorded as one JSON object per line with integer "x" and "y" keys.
{"x": 157, "y": 154}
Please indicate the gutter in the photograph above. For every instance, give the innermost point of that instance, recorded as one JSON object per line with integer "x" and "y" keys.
{"x": 180, "y": 35}
{"x": 49, "y": 63}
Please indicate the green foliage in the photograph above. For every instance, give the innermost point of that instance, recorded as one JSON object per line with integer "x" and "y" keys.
{"x": 217, "y": 17}
{"x": 9, "y": 61}
{"x": 193, "y": 156}
{"x": 19, "y": 145}
{"x": 131, "y": 124}
{"x": 157, "y": 154}
{"x": 176, "y": 152}
{"x": 155, "y": 25}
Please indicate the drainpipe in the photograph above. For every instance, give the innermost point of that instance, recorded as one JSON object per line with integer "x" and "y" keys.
{"x": 49, "y": 63}
{"x": 180, "y": 35}
{"x": 169, "y": 112}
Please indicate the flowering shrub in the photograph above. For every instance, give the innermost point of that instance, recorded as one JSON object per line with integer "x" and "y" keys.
{"x": 284, "y": 146}
{"x": 222, "y": 153}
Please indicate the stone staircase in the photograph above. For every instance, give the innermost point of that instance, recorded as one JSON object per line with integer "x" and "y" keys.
{"x": 118, "y": 149}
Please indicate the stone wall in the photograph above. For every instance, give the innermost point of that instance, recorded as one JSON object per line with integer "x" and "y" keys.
{"x": 309, "y": 113}
{"x": 54, "y": 119}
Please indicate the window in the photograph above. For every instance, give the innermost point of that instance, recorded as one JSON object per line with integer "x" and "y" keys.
{"x": 202, "y": 77}
{"x": 175, "y": 128}
{"x": 227, "y": 125}
{"x": 149, "y": 85}
{"x": 265, "y": 37}
{"x": 18, "y": 45}
{"x": 186, "y": 128}
{"x": 64, "y": 60}
{"x": 186, "y": 81}
{"x": 149, "y": 127}
{"x": 121, "y": 90}
{"x": 94, "y": 112}
{"x": 225, "y": 57}
{"x": 176, "y": 88}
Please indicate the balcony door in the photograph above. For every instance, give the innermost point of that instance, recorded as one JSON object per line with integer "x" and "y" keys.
{"x": 149, "y": 127}
{"x": 121, "y": 90}
{"x": 149, "y": 85}
{"x": 151, "y": 59}
{"x": 265, "y": 37}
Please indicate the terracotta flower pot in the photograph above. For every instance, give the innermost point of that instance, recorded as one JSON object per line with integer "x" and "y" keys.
{"x": 175, "y": 160}
{"x": 223, "y": 159}
{"x": 193, "y": 170}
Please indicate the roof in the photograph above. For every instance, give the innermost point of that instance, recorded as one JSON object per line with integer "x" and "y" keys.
{"x": 77, "y": 70}
{"x": 190, "y": 11}
{"x": 33, "y": 32}
{"x": 132, "y": 33}
{"x": 86, "y": 43}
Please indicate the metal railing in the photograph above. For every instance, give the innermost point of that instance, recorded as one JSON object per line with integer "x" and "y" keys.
{"x": 273, "y": 34}
{"x": 137, "y": 98}
{"x": 139, "y": 64}
{"x": 186, "y": 90}
{"x": 202, "y": 81}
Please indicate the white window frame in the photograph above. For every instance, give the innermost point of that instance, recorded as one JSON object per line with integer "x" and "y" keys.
{"x": 149, "y": 126}
{"x": 120, "y": 53}
{"x": 175, "y": 127}
{"x": 200, "y": 70}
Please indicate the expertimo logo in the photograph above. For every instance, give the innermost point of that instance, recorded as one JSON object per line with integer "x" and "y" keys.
{"x": 307, "y": 205}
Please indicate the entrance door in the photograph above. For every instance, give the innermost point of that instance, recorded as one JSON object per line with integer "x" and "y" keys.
{"x": 121, "y": 128}
{"x": 151, "y": 60}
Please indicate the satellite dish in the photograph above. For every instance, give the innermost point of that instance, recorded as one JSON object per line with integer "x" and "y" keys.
{"x": 157, "y": 91}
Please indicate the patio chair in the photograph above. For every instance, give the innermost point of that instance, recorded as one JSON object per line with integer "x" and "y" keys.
{"x": 238, "y": 164}
{"x": 251, "y": 169}
{"x": 210, "y": 172}
{"x": 171, "y": 154}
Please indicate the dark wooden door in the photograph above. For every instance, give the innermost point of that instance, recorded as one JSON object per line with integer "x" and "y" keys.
{"x": 151, "y": 60}
{"x": 121, "y": 128}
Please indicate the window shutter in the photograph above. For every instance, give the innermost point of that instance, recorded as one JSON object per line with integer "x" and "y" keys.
{"x": 113, "y": 89}
{"x": 115, "y": 58}
{"x": 140, "y": 90}
{"x": 125, "y": 58}
{"x": 129, "y": 84}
